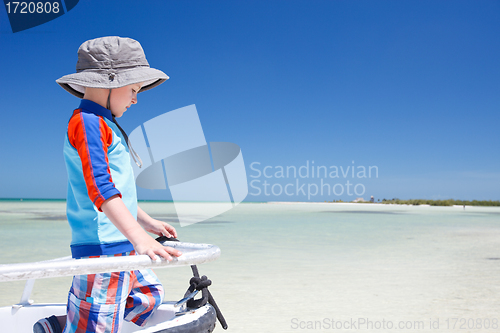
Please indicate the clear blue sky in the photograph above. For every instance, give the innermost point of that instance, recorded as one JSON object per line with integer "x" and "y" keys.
{"x": 412, "y": 87}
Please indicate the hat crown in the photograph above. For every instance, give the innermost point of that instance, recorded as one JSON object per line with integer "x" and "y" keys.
{"x": 107, "y": 53}
{"x": 110, "y": 63}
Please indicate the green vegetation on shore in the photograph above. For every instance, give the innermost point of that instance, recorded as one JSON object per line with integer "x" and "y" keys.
{"x": 449, "y": 202}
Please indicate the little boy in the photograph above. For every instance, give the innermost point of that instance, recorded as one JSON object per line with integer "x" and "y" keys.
{"x": 102, "y": 202}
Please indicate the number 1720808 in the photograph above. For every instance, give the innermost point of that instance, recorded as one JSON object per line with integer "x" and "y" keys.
{"x": 46, "y": 7}
{"x": 472, "y": 323}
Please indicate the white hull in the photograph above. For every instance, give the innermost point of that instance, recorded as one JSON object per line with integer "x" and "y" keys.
{"x": 22, "y": 319}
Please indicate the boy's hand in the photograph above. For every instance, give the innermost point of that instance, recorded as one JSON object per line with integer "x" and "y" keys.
{"x": 154, "y": 249}
{"x": 143, "y": 243}
{"x": 154, "y": 226}
{"x": 158, "y": 228}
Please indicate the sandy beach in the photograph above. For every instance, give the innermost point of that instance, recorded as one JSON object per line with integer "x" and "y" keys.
{"x": 310, "y": 266}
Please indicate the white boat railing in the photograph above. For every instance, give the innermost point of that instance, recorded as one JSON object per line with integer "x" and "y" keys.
{"x": 192, "y": 254}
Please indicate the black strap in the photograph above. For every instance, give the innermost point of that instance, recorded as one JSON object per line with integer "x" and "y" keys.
{"x": 199, "y": 284}
{"x": 56, "y": 327}
{"x": 121, "y": 130}
{"x": 211, "y": 300}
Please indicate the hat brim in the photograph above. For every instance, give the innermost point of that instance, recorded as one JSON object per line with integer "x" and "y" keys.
{"x": 76, "y": 83}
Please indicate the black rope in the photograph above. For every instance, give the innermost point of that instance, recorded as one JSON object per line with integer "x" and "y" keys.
{"x": 108, "y": 106}
{"x": 121, "y": 130}
{"x": 134, "y": 155}
{"x": 202, "y": 283}
{"x": 199, "y": 284}
{"x": 211, "y": 300}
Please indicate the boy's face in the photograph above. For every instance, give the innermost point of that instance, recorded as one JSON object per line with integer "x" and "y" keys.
{"x": 122, "y": 98}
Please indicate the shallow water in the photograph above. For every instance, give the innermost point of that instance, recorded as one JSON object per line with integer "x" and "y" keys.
{"x": 298, "y": 267}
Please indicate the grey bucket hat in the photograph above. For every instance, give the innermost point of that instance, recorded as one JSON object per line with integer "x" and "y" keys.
{"x": 111, "y": 62}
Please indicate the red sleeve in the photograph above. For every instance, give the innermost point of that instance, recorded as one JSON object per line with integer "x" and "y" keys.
{"x": 91, "y": 137}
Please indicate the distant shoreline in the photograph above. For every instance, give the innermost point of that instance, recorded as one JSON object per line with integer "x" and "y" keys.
{"x": 417, "y": 202}
{"x": 448, "y": 202}
{"x": 411, "y": 202}
{"x": 31, "y": 199}
{"x": 353, "y": 203}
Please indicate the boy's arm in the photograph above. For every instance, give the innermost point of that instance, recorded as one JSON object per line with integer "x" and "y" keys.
{"x": 154, "y": 226}
{"x": 117, "y": 212}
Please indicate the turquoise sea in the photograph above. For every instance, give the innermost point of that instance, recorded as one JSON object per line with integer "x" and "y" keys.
{"x": 318, "y": 267}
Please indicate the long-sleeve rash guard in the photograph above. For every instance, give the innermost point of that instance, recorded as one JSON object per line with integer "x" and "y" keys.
{"x": 98, "y": 164}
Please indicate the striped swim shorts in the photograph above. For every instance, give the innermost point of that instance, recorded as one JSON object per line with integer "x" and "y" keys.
{"x": 99, "y": 303}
